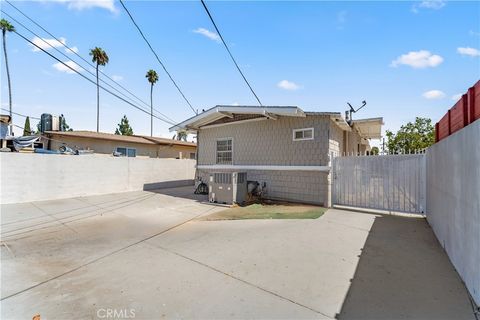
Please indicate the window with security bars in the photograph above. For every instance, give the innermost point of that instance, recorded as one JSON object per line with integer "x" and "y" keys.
{"x": 224, "y": 151}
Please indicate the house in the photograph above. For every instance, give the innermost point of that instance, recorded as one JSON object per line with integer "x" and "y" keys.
{"x": 131, "y": 146}
{"x": 284, "y": 147}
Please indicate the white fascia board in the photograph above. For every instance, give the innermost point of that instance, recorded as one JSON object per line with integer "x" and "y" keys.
{"x": 262, "y": 167}
{"x": 219, "y": 112}
{"x": 232, "y": 123}
{"x": 378, "y": 120}
{"x": 281, "y": 111}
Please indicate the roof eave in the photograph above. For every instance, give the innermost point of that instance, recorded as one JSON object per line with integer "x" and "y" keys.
{"x": 213, "y": 114}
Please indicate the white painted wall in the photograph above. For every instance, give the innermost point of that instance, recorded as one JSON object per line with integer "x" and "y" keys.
{"x": 32, "y": 177}
{"x": 453, "y": 201}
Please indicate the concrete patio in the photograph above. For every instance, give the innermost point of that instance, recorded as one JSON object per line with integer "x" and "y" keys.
{"x": 148, "y": 252}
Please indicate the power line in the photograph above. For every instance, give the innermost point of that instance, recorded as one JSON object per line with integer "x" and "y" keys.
{"x": 21, "y": 115}
{"x": 156, "y": 56}
{"x": 85, "y": 77}
{"x": 73, "y": 51}
{"x": 228, "y": 50}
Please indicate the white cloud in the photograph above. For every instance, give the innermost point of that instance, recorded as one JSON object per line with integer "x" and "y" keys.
{"x": 433, "y": 94}
{"x": 207, "y": 33}
{"x": 117, "y": 77}
{"x": 457, "y": 96}
{"x": 467, "y": 51}
{"x": 61, "y": 67}
{"x": 47, "y": 44}
{"x": 74, "y": 49}
{"x": 88, "y": 4}
{"x": 341, "y": 19}
{"x": 429, "y": 4}
{"x": 418, "y": 59}
{"x": 474, "y": 33}
{"x": 288, "y": 85}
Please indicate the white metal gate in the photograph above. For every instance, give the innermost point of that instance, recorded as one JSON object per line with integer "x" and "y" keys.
{"x": 387, "y": 182}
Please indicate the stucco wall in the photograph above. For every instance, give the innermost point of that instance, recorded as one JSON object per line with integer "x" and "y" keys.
{"x": 453, "y": 201}
{"x": 32, "y": 177}
{"x": 107, "y": 147}
{"x": 269, "y": 142}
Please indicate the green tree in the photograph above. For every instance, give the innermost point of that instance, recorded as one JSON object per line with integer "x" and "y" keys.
{"x": 412, "y": 136}
{"x": 27, "y": 130}
{"x": 99, "y": 57}
{"x": 152, "y": 77}
{"x": 374, "y": 151}
{"x": 182, "y": 135}
{"x": 124, "y": 127}
{"x": 64, "y": 126}
{"x": 7, "y": 27}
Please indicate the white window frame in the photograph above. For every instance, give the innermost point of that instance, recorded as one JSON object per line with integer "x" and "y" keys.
{"x": 216, "y": 150}
{"x": 303, "y": 129}
{"x": 126, "y": 151}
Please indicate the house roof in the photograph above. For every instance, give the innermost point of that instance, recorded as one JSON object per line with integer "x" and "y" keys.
{"x": 220, "y": 111}
{"x": 221, "y": 115}
{"x": 120, "y": 138}
{"x": 370, "y": 128}
{"x": 5, "y": 118}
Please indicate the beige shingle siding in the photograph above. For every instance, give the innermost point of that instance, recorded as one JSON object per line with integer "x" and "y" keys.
{"x": 296, "y": 186}
{"x": 269, "y": 142}
{"x": 335, "y": 141}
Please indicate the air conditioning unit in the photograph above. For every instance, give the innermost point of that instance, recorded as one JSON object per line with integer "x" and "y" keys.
{"x": 228, "y": 187}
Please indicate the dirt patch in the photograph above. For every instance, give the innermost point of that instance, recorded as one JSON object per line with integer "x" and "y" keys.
{"x": 268, "y": 211}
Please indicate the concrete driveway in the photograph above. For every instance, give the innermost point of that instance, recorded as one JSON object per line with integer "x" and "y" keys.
{"x": 145, "y": 255}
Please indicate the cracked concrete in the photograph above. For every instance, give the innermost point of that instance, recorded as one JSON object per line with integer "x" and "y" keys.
{"x": 147, "y": 252}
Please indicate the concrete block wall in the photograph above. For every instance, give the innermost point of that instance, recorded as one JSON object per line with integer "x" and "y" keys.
{"x": 453, "y": 201}
{"x": 298, "y": 186}
{"x": 35, "y": 177}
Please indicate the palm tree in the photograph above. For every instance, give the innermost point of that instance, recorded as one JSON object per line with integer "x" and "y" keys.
{"x": 152, "y": 77}
{"x": 182, "y": 135}
{"x": 7, "y": 27}
{"x": 99, "y": 57}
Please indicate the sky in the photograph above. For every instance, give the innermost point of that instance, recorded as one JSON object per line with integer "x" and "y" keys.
{"x": 406, "y": 59}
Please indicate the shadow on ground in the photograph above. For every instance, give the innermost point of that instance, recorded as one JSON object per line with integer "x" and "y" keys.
{"x": 185, "y": 192}
{"x": 403, "y": 273}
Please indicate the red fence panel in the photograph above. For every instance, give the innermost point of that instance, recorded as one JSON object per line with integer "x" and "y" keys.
{"x": 475, "y": 102}
{"x": 443, "y": 127}
{"x": 459, "y": 115}
{"x": 464, "y": 112}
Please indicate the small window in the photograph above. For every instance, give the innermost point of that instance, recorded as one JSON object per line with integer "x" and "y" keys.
{"x": 303, "y": 134}
{"x": 131, "y": 152}
{"x": 127, "y": 152}
{"x": 193, "y": 155}
{"x": 224, "y": 151}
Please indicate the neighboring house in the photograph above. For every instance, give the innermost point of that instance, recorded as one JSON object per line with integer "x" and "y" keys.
{"x": 131, "y": 146}
{"x": 286, "y": 148}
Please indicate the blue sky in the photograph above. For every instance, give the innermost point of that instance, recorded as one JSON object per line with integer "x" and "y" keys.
{"x": 406, "y": 59}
